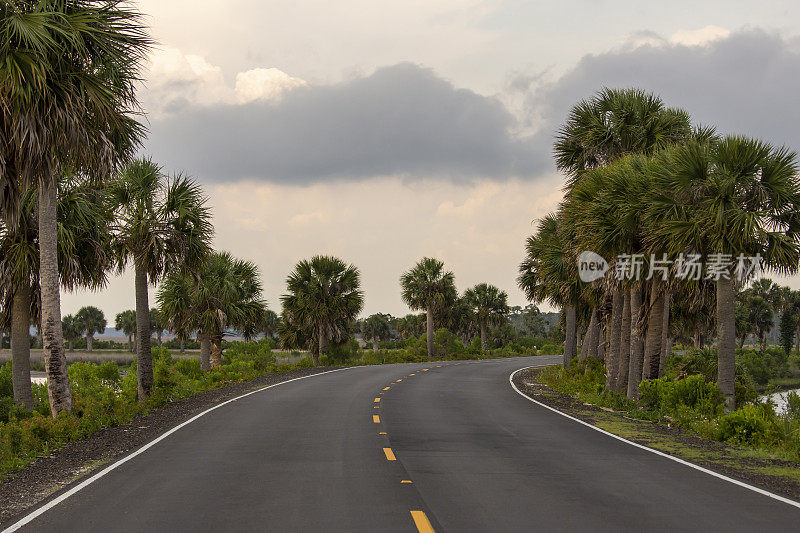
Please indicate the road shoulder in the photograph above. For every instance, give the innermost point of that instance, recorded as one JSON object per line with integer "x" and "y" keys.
{"x": 753, "y": 467}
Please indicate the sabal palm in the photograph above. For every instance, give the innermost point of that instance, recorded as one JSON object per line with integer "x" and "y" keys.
{"x": 549, "y": 273}
{"x": 71, "y": 330}
{"x": 323, "y": 298}
{"x": 226, "y": 294}
{"x": 126, "y": 323}
{"x": 613, "y": 123}
{"x": 84, "y": 257}
{"x": 164, "y": 226}
{"x": 69, "y": 70}
{"x": 269, "y": 323}
{"x": 489, "y": 307}
{"x": 376, "y": 327}
{"x": 733, "y": 196}
{"x": 91, "y": 320}
{"x": 428, "y": 287}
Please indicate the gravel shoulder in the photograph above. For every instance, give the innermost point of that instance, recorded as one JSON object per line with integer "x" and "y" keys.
{"x": 750, "y": 466}
{"x": 50, "y": 475}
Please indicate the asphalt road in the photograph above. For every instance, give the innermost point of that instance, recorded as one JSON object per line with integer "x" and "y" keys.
{"x": 315, "y": 455}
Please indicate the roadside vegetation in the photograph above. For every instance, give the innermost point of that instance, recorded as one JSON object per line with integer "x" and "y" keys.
{"x": 688, "y": 396}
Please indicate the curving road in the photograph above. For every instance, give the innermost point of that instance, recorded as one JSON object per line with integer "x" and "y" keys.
{"x": 452, "y": 448}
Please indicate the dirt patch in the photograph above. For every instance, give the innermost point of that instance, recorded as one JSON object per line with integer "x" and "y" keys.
{"x": 21, "y": 490}
{"x": 775, "y": 475}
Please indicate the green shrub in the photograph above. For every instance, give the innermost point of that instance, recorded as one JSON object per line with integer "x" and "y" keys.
{"x": 552, "y": 349}
{"x": 752, "y": 425}
{"x": 672, "y": 397}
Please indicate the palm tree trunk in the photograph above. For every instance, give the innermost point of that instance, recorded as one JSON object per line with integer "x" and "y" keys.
{"x": 624, "y": 362}
{"x": 666, "y": 342}
{"x": 601, "y": 342}
{"x": 130, "y": 346}
{"x": 483, "y": 337}
{"x": 183, "y": 345}
{"x": 570, "y": 341}
{"x": 89, "y": 339}
{"x": 55, "y": 361}
{"x": 797, "y": 339}
{"x": 741, "y": 341}
{"x": 71, "y": 343}
{"x": 205, "y": 350}
{"x": 612, "y": 357}
{"x": 655, "y": 324}
{"x": 375, "y": 344}
{"x": 21, "y": 347}
{"x": 590, "y": 342}
{"x": 429, "y": 335}
{"x": 726, "y": 335}
{"x": 637, "y": 345}
{"x": 323, "y": 345}
{"x": 144, "y": 357}
{"x": 216, "y": 350}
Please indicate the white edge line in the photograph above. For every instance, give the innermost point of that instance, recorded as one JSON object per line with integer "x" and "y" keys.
{"x": 662, "y": 454}
{"x": 49, "y": 505}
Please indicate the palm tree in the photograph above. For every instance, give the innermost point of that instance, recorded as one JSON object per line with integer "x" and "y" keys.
{"x": 428, "y": 287}
{"x": 164, "y": 226}
{"x": 730, "y": 197}
{"x": 156, "y": 325}
{"x": 90, "y": 320}
{"x": 69, "y": 68}
{"x": 489, "y": 306}
{"x": 126, "y": 323}
{"x": 71, "y": 329}
{"x": 377, "y": 328}
{"x": 226, "y": 294}
{"x": 549, "y": 272}
{"x": 83, "y": 257}
{"x": 323, "y": 298}
{"x": 613, "y": 123}
{"x": 269, "y": 324}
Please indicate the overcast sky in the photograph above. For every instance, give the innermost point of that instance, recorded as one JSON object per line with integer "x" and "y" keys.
{"x": 386, "y": 131}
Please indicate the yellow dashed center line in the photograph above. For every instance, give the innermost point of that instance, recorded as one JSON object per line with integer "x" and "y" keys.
{"x": 376, "y": 419}
{"x": 382, "y": 433}
{"x": 387, "y": 388}
{"x": 406, "y": 481}
{"x": 377, "y": 407}
{"x": 389, "y": 454}
{"x": 399, "y": 380}
{"x": 412, "y": 374}
{"x": 422, "y": 522}
{"x": 377, "y": 400}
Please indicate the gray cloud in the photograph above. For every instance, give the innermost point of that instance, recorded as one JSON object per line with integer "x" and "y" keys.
{"x": 747, "y": 83}
{"x": 401, "y": 120}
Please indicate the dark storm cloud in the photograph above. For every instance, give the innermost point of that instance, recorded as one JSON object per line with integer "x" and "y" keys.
{"x": 748, "y": 83}
{"x": 400, "y": 120}
{"x": 404, "y": 120}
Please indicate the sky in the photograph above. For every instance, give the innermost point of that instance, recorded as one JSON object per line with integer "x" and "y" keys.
{"x": 383, "y": 132}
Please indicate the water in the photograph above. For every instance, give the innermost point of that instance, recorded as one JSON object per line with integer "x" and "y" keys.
{"x": 779, "y": 399}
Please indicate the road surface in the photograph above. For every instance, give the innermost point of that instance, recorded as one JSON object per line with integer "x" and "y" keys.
{"x": 450, "y": 446}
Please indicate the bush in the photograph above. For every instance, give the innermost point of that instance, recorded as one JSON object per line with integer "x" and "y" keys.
{"x": 551, "y": 349}
{"x": 752, "y": 425}
{"x": 671, "y": 397}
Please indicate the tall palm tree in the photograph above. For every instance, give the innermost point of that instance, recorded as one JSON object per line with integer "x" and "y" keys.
{"x": 91, "y": 320}
{"x": 84, "y": 257}
{"x": 549, "y": 273}
{"x": 377, "y": 328}
{"x": 489, "y": 306}
{"x": 163, "y": 226}
{"x": 126, "y": 323}
{"x": 733, "y": 196}
{"x": 613, "y": 123}
{"x": 69, "y": 70}
{"x": 156, "y": 325}
{"x": 71, "y": 329}
{"x": 226, "y": 294}
{"x": 428, "y": 287}
{"x": 269, "y": 324}
{"x": 323, "y": 298}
